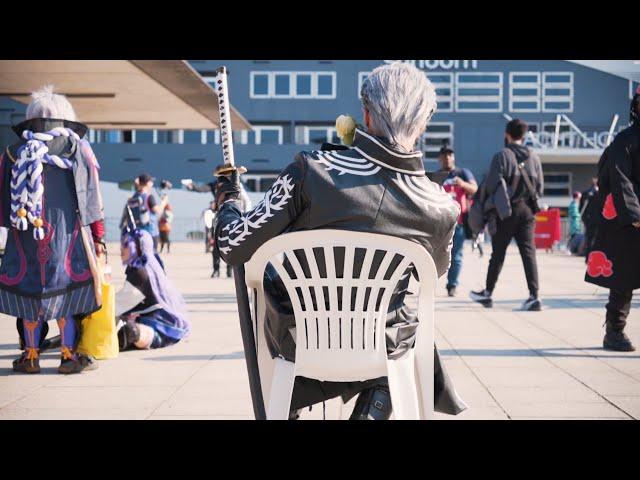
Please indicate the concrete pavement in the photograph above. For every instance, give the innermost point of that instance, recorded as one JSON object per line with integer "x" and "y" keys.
{"x": 504, "y": 363}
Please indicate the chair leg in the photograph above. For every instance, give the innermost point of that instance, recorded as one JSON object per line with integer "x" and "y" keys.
{"x": 403, "y": 388}
{"x": 284, "y": 375}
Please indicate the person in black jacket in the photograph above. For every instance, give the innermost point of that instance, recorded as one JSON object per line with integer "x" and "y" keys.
{"x": 521, "y": 171}
{"x": 379, "y": 185}
{"x": 614, "y": 258}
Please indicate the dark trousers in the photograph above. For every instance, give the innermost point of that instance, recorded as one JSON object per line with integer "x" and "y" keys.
{"x": 216, "y": 261}
{"x": 618, "y": 309}
{"x": 520, "y": 225}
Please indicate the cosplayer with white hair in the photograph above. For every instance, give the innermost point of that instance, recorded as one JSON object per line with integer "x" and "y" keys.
{"x": 376, "y": 183}
{"x": 398, "y": 100}
{"x": 50, "y": 201}
{"x": 46, "y": 104}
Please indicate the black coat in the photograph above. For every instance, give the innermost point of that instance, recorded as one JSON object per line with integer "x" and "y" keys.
{"x": 368, "y": 188}
{"x": 614, "y": 258}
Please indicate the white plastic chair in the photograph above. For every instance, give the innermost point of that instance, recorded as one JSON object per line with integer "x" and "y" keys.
{"x": 338, "y": 341}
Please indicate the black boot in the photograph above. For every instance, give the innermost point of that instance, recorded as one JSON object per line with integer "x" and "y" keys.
{"x": 373, "y": 404}
{"x": 617, "y": 341}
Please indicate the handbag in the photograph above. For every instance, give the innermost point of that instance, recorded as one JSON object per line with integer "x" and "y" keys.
{"x": 99, "y": 336}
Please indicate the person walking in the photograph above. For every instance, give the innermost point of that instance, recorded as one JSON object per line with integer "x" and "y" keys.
{"x": 518, "y": 169}
{"x": 164, "y": 227}
{"x": 614, "y": 259}
{"x": 461, "y": 185}
{"x": 590, "y": 212}
{"x": 576, "y": 238}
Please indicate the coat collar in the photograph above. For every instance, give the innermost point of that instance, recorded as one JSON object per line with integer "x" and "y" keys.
{"x": 378, "y": 151}
{"x": 46, "y": 124}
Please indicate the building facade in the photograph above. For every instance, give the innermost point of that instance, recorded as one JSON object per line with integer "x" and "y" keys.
{"x": 292, "y": 106}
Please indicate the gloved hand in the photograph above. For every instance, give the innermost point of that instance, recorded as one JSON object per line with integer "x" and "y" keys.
{"x": 227, "y": 188}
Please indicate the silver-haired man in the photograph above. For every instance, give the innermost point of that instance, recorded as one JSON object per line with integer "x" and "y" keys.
{"x": 379, "y": 185}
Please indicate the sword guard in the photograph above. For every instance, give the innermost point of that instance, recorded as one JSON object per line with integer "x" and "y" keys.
{"x": 229, "y": 169}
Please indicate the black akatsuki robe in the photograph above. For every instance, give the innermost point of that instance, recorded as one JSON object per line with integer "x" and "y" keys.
{"x": 369, "y": 187}
{"x": 614, "y": 258}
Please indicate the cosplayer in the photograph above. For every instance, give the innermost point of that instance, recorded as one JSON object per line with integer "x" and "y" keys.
{"x": 51, "y": 203}
{"x": 379, "y": 185}
{"x": 160, "y": 319}
{"x": 613, "y": 261}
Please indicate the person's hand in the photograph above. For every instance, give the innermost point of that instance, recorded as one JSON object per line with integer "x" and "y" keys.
{"x": 457, "y": 181}
{"x": 227, "y": 188}
{"x": 100, "y": 248}
{"x": 636, "y": 224}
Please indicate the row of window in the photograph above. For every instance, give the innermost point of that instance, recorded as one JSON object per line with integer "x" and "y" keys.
{"x": 460, "y": 92}
{"x": 260, "y": 135}
{"x": 483, "y": 91}
{"x": 310, "y": 85}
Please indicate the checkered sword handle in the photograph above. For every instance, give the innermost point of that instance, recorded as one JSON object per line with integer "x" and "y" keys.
{"x": 226, "y": 135}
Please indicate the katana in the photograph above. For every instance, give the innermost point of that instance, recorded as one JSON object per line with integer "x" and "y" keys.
{"x": 244, "y": 310}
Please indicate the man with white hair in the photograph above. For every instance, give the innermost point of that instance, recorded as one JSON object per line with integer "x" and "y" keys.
{"x": 379, "y": 185}
{"x": 50, "y": 201}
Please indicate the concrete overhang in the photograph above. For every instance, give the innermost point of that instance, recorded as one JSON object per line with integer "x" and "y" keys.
{"x": 629, "y": 69}
{"x": 122, "y": 94}
{"x": 576, "y": 156}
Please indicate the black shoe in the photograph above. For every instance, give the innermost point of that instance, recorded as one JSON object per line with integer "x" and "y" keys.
{"x": 483, "y": 297}
{"x": 532, "y": 304}
{"x": 617, "y": 341}
{"x": 451, "y": 291}
{"x": 373, "y": 404}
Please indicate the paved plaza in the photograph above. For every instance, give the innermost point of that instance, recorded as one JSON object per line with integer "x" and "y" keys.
{"x": 505, "y": 364}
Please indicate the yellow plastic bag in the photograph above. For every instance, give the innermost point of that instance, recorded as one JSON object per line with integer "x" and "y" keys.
{"x": 99, "y": 335}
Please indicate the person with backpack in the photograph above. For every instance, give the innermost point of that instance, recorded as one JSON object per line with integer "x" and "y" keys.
{"x": 517, "y": 172}
{"x": 145, "y": 208}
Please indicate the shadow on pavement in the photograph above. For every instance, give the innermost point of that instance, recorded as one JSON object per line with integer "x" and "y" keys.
{"x": 551, "y": 352}
{"x": 224, "y": 356}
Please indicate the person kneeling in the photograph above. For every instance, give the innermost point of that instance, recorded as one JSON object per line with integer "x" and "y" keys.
{"x": 160, "y": 319}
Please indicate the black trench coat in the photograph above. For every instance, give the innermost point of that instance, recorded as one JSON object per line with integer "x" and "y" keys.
{"x": 614, "y": 258}
{"x": 369, "y": 187}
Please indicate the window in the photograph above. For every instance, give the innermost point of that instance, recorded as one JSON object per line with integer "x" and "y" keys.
{"x": 282, "y": 85}
{"x": 557, "y": 184}
{"x": 258, "y": 183}
{"x": 299, "y": 85}
{"x": 479, "y": 92}
{"x": 557, "y": 92}
{"x": 192, "y": 136}
{"x": 304, "y": 84}
{"x": 524, "y": 91}
{"x": 438, "y": 135}
{"x": 315, "y": 134}
{"x": 112, "y": 136}
{"x": 260, "y": 85}
{"x": 443, "y": 82}
{"x": 326, "y": 85}
{"x": 144, "y": 136}
{"x": 260, "y": 135}
{"x": 267, "y": 135}
{"x": 565, "y": 135}
{"x": 211, "y": 137}
{"x": 362, "y": 76}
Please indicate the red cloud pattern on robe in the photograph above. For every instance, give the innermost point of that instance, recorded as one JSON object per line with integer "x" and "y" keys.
{"x": 609, "y": 210}
{"x": 599, "y": 265}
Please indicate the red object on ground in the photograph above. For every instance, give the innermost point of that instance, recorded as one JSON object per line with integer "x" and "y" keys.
{"x": 548, "y": 230}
